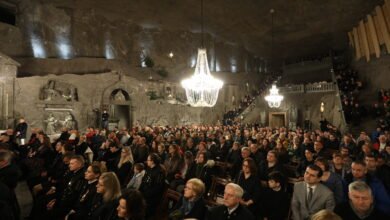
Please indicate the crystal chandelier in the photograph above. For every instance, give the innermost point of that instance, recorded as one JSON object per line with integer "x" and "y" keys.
{"x": 274, "y": 99}
{"x": 202, "y": 88}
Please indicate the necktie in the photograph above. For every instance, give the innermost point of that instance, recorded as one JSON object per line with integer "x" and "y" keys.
{"x": 310, "y": 196}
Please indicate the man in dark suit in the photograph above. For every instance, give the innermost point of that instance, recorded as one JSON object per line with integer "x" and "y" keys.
{"x": 310, "y": 196}
{"x": 231, "y": 208}
{"x": 21, "y": 131}
{"x": 222, "y": 149}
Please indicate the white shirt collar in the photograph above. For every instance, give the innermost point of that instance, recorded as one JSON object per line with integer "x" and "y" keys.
{"x": 313, "y": 187}
{"x": 230, "y": 211}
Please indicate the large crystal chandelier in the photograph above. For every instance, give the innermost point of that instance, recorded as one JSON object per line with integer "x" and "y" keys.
{"x": 202, "y": 88}
{"x": 274, "y": 99}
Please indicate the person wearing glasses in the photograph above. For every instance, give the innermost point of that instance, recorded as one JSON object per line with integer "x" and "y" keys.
{"x": 191, "y": 204}
{"x": 250, "y": 183}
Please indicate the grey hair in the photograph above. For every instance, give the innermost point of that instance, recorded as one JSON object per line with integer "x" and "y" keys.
{"x": 245, "y": 148}
{"x": 359, "y": 186}
{"x": 238, "y": 190}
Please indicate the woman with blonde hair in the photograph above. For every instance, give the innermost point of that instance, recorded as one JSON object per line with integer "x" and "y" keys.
{"x": 325, "y": 215}
{"x": 106, "y": 200}
{"x": 191, "y": 205}
{"x": 125, "y": 165}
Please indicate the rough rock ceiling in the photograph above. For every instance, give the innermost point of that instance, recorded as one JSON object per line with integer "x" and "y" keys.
{"x": 301, "y": 27}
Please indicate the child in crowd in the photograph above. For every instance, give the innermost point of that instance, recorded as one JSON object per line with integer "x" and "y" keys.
{"x": 139, "y": 172}
{"x": 276, "y": 201}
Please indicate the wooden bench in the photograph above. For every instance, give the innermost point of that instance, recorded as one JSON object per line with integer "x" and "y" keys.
{"x": 215, "y": 196}
{"x": 170, "y": 198}
{"x": 223, "y": 169}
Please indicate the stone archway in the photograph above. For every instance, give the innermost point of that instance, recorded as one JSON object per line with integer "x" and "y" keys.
{"x": 116, "y": 99}
{"x": 120, "y": 109}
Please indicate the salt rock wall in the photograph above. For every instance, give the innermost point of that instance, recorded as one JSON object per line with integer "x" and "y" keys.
{"x": 40, "y": 97}
{"x": 48, "y": 29}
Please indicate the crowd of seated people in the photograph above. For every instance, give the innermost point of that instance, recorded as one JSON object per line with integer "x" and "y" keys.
{"x": 350, "y": 86}
{"x": 124, "y": 174}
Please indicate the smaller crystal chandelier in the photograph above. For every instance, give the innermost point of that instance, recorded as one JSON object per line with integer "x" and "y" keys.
{"x": 202, "y": 88}
{"x": 274, "y": 99}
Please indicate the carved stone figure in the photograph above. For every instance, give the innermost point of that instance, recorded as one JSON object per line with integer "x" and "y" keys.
{"x": 119, "y": 96}
{"x": 293, "y": 114}
{"x": 55, "y": 90}
{"x": 51, "y": 122}
{"x": 262, "y": 117}
{"x": 68, "y": 122}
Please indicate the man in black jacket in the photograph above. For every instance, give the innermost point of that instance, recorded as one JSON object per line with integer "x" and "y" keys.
{"x": 153, "y": 184}
{"x": 231, "y": 208}
{"x": 21, "y": 131}
{"x": 59, "y": 207}
{"x": 361, "y": 204}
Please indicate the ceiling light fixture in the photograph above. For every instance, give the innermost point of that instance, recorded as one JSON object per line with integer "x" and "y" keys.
{"x": 274, "y": 99}
{"x": 202, "y": 88}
